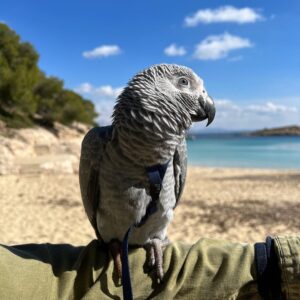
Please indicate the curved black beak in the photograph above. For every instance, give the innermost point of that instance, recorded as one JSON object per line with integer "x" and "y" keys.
{"x": 206, "y": 110}
{"x": 210, "y": 110}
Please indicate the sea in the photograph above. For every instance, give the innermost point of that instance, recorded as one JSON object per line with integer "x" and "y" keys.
{"x": 236, "y": 150}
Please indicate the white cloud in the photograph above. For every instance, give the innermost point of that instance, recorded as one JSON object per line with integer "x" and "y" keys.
{"x": 271, "y": 107}
{"x": 260, "y": 114}
{"x": 223, "y": 14}
{"x": 105, "y": 110}
{"x": 218, "y": 46}
{"x": 174, "y": 50}
{"x": 268, "y": 107}
{"x": 84, "y": 88}
{"x": 225, "y": 104}
{"x": 104, "y": 98}
{"x": 108, "y": 91}
{"x": 102, "y": 51}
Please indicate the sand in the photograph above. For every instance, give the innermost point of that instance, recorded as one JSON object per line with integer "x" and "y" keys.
{"x": 241, "y": 205}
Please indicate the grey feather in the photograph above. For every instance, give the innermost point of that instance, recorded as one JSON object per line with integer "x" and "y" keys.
{"x": 180, "y": 169}
{"x": 93, "y": 146}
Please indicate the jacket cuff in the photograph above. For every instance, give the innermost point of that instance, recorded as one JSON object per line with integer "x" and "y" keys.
{"x": 288, "y": 252}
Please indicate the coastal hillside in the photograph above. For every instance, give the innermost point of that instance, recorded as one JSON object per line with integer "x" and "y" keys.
{"x": 41, "y": 150}
{"x": 279, "y": 131}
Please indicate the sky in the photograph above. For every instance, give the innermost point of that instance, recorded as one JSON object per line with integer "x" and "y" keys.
{"x": 247, "y": 52}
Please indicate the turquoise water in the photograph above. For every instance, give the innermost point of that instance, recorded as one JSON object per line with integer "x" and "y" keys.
{"x": 242, "y": 151}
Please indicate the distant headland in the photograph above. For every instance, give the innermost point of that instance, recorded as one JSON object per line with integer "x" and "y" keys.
{"x": 279, "y": 131}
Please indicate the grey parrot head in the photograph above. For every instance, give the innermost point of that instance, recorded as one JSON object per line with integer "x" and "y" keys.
{"x": 172, "y": 92}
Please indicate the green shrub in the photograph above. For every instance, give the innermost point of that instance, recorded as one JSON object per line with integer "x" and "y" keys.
{"x": 25, "y": 91}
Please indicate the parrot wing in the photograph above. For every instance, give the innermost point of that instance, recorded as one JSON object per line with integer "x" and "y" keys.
{"x": 92, "y": 149}
{"x": 180, "y": 168}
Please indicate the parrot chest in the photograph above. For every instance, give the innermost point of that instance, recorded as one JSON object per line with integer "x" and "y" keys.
{"x": 124, "y": 200}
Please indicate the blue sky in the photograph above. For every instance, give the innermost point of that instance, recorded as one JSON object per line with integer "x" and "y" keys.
{"x": 247, "y": 52}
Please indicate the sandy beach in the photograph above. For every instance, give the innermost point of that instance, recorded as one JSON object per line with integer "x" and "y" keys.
{"x": 236, "y": 204}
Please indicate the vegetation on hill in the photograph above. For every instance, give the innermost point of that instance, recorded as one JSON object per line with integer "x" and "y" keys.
{"x": 28, "y": 96}
{"x": 280, "y": 131}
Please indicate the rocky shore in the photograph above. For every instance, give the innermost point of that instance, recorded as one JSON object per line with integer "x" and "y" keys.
{"x": 41, "y": 150}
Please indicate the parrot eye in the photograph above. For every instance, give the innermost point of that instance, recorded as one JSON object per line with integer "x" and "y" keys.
{"x": 183, "y": 81}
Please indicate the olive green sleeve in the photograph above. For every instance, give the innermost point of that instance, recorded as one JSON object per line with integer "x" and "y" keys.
{"x": 209, "y": 269}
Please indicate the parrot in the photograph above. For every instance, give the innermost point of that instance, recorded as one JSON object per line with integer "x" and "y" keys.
{"x": 149, "y": 125}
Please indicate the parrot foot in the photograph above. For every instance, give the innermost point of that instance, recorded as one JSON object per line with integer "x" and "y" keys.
{"x": 114, "y": 247}
{"x": 154, "y": 251}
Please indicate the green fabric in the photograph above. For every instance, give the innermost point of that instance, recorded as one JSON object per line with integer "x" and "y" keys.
{"x": 209, "y": 269}
{"x": 288, "y": 252}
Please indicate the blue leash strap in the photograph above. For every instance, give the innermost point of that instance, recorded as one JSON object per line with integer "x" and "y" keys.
{"x": 268, "y": 272}
{"x": 155, "y": 176}
{"x": 126, "y": 282}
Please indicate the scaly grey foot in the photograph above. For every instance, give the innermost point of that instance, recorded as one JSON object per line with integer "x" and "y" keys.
{"x": 154, "y": 251}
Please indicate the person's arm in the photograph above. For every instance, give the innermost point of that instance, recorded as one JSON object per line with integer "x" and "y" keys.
{"x": 209, "y": 269}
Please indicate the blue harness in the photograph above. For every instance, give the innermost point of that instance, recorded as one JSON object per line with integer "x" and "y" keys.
{"x": 155, "y": 176}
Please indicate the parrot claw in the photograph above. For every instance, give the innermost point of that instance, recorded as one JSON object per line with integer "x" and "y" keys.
{"x": 114, "y": 247}
{"x": 154, "y": 251}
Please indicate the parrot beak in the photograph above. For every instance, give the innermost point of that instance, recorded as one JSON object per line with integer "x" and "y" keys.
{"x": 206, "y": 110}
{"x": 210, "y": 110}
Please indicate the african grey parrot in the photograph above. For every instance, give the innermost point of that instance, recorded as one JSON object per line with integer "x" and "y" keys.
{"x": 150, "y": 121}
